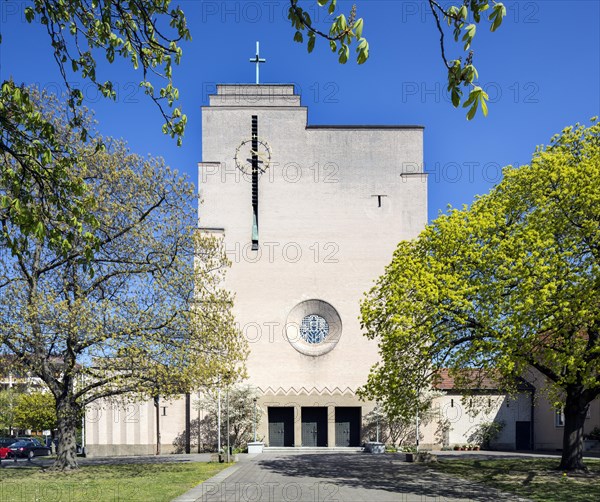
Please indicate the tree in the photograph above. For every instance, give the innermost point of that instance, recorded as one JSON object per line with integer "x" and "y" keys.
{"x": 509, "y": 284}
{"x": 34, "y": 159}
{"x": 8, "y": 402}
{"x": 203, "y": 431}
{"x": 397, "y": 425}
{"x": 148, "y": 33}
{"x": 141, "y": 313}
{"x": 461, "y": 19}
{"x": 486, "y": 433}
{"x": 36, "y": 411}
{"x": 393, "y": 432}
{"x": 241, "y": 413}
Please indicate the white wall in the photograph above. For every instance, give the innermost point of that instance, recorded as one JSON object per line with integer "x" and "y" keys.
{"x": 322, "y": 233}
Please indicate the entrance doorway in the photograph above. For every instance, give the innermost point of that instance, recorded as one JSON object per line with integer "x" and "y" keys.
{"x": 281, "y": 426}
{"x": 347, "y": 426}
{"x": 314, "y": 426}
{"x": 523, "y": 436}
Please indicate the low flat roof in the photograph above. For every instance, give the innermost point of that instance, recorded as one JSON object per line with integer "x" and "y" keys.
{"x": 364, "y": 126}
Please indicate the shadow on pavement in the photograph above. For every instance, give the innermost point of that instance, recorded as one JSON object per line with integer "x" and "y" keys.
{"x": 379, "y": 472}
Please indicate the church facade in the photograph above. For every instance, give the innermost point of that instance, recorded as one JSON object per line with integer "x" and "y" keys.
{"x": 310, "y": 216}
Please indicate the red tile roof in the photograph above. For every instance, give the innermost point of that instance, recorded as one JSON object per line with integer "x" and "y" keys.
{"x": 472, "y": 379}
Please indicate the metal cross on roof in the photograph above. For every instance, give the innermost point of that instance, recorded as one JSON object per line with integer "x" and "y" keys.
{"x": 257, "y": 60}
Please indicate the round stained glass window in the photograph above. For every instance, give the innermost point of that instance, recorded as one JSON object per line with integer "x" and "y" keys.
{"x": 314, "y": 328}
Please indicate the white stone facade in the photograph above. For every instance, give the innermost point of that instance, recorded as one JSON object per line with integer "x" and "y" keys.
{"x": 333, "y": 204}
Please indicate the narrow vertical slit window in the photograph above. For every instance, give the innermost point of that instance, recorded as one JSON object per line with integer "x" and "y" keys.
{"x": 255, "y": 182}
{"x": 379, "y": 199}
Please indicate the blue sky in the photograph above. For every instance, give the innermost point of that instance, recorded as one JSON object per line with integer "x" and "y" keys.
{"x": 541, "y": 70}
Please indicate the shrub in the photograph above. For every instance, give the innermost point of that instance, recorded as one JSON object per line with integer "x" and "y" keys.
{"x": 485, "y": 433}
{"x": 594, "y": 434}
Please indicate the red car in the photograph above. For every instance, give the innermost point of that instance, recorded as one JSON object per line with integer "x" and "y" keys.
{"x": 4, "y": 446}
{"x": 6, "y": 443}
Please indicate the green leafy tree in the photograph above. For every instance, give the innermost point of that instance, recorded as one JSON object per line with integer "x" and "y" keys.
{"x": 392, "y": 432}
{"x": 241, "y": 415}
{"x": 148, "y": 34}
{"x": 143, "y": 314}
{"x": 8, "y": 402}
{"x": 461, "y": 20}
{"x": 203, "y": 431}
{"x": 35, "y": 158}
{"x": 510, "y": 284}
{"x": 398, "y": 424}
{"x": 486, "y": 433}
{"x": 36, "y": 411}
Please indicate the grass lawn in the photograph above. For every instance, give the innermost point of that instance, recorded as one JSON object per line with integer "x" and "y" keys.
{"x": 103, "y": 483}
{"x": 536, "y": 479}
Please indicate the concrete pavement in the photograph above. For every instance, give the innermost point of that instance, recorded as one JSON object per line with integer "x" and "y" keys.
{"x": 336, "y": 477}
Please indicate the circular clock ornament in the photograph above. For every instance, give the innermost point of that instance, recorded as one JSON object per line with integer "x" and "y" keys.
{"x": 245, "y": 152}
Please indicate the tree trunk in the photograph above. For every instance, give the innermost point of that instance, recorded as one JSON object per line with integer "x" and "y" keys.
{"x": 68, "y": 412}
{"x": 576, "y": 408}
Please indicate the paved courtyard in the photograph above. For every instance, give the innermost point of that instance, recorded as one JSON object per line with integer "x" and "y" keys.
{"x": 335, "y": 477}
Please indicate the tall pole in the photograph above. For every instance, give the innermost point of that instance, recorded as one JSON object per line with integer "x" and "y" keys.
{"x": 254, "y": 423}
{"x": 417, "y": 428}
{"x": 219, "y": 420}
{"x": 199, "y": 417}
{"x": 228, "y": 450}
{"x": 82, "y": 432}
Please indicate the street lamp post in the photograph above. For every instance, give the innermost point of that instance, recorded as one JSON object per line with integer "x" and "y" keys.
{"x": 219, "y": 420}
{"x": 417, "y": 417}
{"x": 417, "y": 429}
{"x": 228, "y": 447}
{"x": 254, "y": 423}
{"x": 199, "y": 417}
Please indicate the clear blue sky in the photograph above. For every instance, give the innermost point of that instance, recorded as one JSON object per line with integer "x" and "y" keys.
{"x": 541, "y": 70}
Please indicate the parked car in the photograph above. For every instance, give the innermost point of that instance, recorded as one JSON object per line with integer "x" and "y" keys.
{"x": 5, "y": 443}
{"x": 28, "y": 449}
